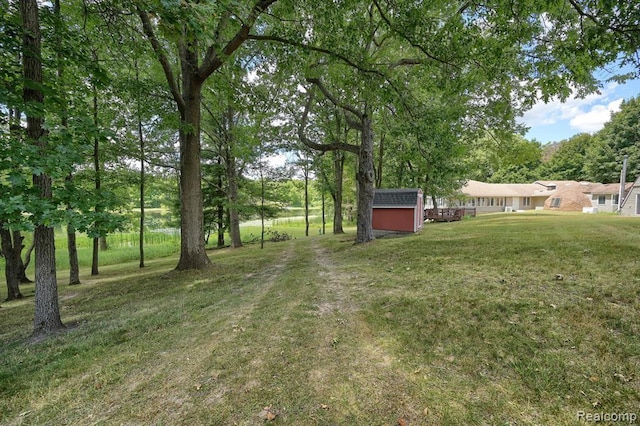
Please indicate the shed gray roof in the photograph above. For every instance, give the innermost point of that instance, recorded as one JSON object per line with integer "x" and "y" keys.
{"x": 396, "y": 197}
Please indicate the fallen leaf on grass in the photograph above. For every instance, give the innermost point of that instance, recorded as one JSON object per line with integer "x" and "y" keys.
{"x": 324, "y": 406}
{"x": 268, "y": 414}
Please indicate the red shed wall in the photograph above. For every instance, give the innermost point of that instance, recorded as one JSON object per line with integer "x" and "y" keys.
{"x": 419, "y": 213}
{"x": 394, "y": 219}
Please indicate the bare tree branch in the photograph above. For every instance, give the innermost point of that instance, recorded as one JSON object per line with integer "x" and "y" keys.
{"x": 162, "y": 58}
{"x": 328, "y": 52}
{"x": 212, "y": 60}
{"x": 319, "y": 146}
{"x": 404, "y": 36}
{"x": 350, "y": 108}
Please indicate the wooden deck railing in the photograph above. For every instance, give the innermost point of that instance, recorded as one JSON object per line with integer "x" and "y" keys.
{"x": 448, "y": 214}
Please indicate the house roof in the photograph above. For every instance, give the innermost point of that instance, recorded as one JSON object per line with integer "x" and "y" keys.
{"x": 608, "y": 188}
{"x": 474, "y": 188}
{"x": 570, "y": 198}
{"x": 537, "y": 189}
{"x": 405, "y": 197}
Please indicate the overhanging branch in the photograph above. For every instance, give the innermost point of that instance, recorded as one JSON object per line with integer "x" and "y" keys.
{"x": 349, "y": 108}
{"x": 162, "y": 58}
{"x": 212, "y": 60}
{"x": 335, "y": 146}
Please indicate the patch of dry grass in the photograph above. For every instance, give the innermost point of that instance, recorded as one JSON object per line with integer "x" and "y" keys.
{"x": 463, "y": 323}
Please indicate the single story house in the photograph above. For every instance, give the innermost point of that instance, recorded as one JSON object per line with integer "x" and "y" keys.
{"x": 540, "y": 195}
{"x": 398, "y": 210}
{"x": 631, "y": 203}
{"x": 500, "y": 197}
{"x": 606, "y": 196}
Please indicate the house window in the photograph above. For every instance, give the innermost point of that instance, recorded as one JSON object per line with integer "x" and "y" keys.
{"x": 555, "y": 202}
{"x": 602, "y": 200}
{"x": 616, "y": 199}
{"x": 526, "y": 201}
{"x": 491, "y": 201}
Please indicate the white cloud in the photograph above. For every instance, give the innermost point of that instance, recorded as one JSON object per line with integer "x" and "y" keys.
{"x": 586, "y": 114}
{"x": 594, "y": 119}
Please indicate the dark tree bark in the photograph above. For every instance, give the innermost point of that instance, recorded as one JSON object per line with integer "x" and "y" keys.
{"x": 11, "y": 252}
{"x": 366, "y": 183}
{"x": 365, "y": 176}
{"x": 47, "y": 311}
{"x": 72, "y": 249}
{"x": 141, "y": 144}
{"x": 220, "y": 223}
{"x": 305, "y": 170}
{"x": 98, "y": 181}
{"x": 338, "y": 170}
{"x": 95, "y": 248}
{"x": 192, "y": 242}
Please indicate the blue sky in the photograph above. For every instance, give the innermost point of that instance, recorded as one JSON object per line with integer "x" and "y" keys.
{"x": 555, "y": 121}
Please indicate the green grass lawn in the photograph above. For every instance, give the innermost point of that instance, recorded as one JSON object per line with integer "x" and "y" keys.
{"x": 499, "y": 319}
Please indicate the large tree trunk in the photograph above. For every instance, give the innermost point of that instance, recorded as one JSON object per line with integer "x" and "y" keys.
{"x": 47, "y": 312}
{"x": 192, "y": 243}
{"x": 366, "y": 183}
{"x": 187, "y": 96}
{"x": 338, "y": 170}
{"x": 11, "y": 255}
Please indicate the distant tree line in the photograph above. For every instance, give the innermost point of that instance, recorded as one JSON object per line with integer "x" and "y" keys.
{"x": 594, "y": 157}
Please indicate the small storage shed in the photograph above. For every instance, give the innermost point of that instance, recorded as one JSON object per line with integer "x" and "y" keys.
{"x": 398, "y": 210}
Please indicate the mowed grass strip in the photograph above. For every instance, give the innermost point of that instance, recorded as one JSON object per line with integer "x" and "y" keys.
{"x": 501, "y": 319}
